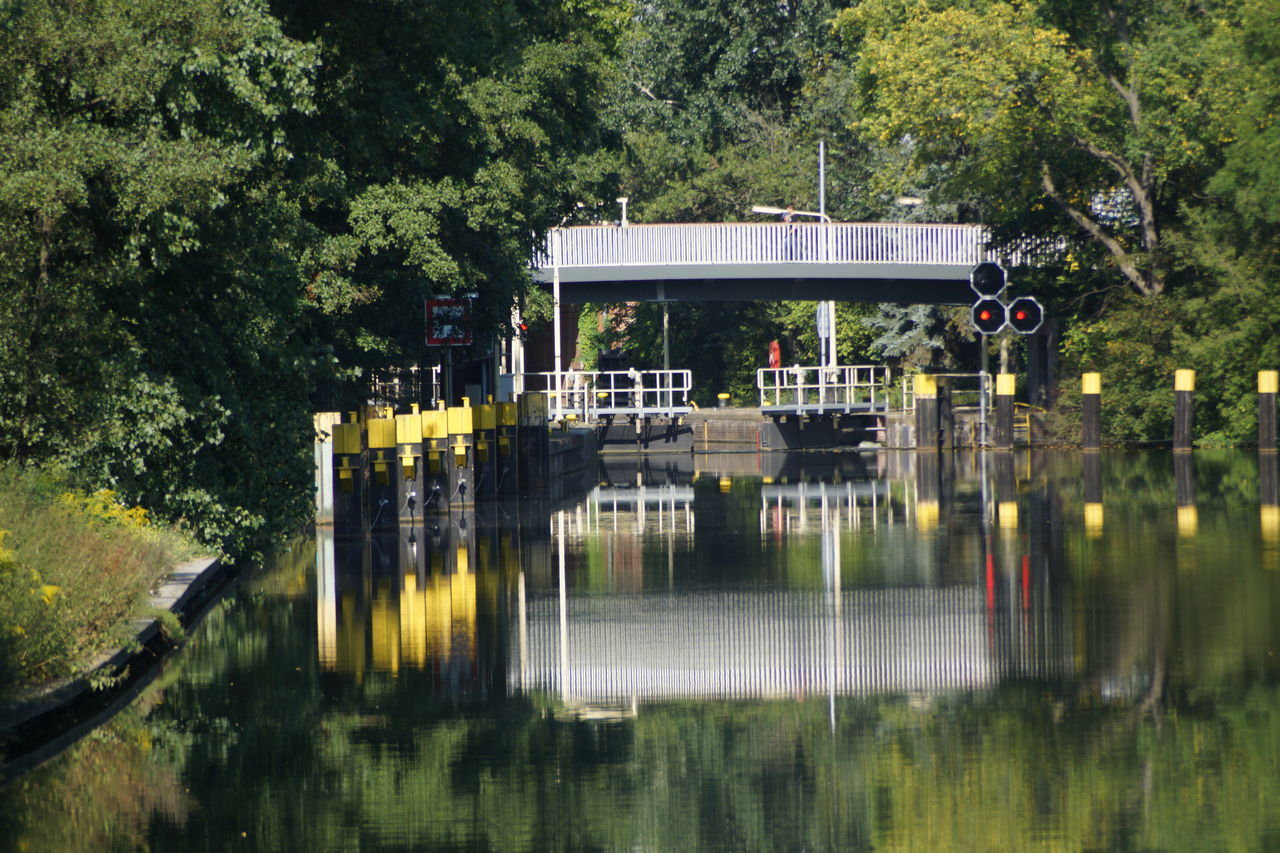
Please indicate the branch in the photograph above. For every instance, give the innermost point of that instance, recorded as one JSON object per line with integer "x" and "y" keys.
{"x": 1139, "y": 186}
{"x": 1123, "y": 258}
{"x": 645, "y": 91}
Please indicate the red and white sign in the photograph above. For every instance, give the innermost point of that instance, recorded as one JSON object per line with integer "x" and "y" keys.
{"x": 448, "y": 322}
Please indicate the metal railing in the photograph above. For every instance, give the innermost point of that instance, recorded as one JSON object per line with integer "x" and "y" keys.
{"x": 754, "y": 243}
{"x": 967, "y": 390}
{"x": 848, "y": 388}
{"x": 972, "y": 390}
{"x": 592, "y": 394}
{"x": 400, "y": 386}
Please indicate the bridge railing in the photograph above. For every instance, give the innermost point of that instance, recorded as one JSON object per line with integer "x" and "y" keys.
{"x": 860, "y": 387}
{"x": 755, "y": 243}
{"x": 591, "y": 394}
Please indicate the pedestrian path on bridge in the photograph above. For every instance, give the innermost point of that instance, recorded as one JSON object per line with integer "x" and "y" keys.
{"x": 867, "y": 262}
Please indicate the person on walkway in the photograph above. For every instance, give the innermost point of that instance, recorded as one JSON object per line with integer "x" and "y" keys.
{"x": 775, "y": 354}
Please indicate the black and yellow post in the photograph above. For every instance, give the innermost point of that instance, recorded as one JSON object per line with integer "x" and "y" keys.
{"x": 384, "y": 474}
{"x": 435, "y": 461}
{"x": 1006, "y": 385}
{"x": 1268, "y": 380}
{"x": 508, "y": 474}
{"x": 534, "y": 442}
{"x": 1184, "y": 389}
{"x": 1092, "y": 494}
{"x": 460, "y": 463}
{"x": 409, "y": 457}
{"x": 1184, "y": 480}
{"x": 927, "y": 422}
{"x": 349, "y": 479}
{"x": 946, "y": 414}
{"x": 486, "y": 451}
{"x": 1091, "y": 411}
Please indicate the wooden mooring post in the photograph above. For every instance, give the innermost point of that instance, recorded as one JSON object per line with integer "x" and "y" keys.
{"x": 1268, "y": 380}
{"x": 927, "y": 418}
{"x": 1184, "y": 387}
{"x": 1091, "y": 411}
{"x": 1006, "y": 385}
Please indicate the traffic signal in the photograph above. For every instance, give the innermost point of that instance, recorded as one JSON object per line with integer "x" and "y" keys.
{"x": 1025, "y": 315}
{"x": 522, "y": 328}
{"x": 987, "y": 279}
{"x": 988, "y": 316}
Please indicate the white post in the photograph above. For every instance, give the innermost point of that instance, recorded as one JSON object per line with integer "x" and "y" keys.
{"x": 555, "y": 318}
{"x": 832, "y": 358}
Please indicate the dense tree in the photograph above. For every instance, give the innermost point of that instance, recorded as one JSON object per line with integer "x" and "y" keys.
{"x": 207, "y": 207}
{"x": 147, "y": 305}
{"x": 1099, "y": 112}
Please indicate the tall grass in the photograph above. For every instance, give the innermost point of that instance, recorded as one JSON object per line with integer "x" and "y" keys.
{"x": 74, "y": 568}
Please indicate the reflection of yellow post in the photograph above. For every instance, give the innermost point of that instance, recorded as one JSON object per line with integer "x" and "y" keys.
{"x": 384, "y": 628}
{"x": 926, "y": 515}
{"x": 1188, "y": 521}
{"x": 1271, "y": 536}
{"x": 1269, "y": 514}
{"x": 1184, "y": 475}
{"x": 1092, "y": 495}
{"x": 1093, "y": 519}
{"x": 413, "y": 622}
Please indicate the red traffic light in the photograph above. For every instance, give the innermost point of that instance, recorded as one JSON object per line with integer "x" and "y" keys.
{"x": 988, "y": 316}
{"x": 1025, "y": 315}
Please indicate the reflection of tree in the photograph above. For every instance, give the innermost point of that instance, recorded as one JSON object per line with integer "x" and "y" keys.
{"x": 101, "y": 795}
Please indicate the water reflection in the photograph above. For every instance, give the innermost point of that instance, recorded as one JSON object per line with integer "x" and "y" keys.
{"x": 845, "y": 575}
{"x": 872, "y": 651}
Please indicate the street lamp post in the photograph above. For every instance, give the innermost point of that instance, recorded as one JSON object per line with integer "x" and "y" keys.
{"x": 555, "y": 316}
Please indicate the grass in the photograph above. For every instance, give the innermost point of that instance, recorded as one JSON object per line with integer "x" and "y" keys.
{"x": 74, "y": 568}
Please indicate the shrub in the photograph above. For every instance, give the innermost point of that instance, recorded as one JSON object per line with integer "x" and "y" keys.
{"x": 73, "y": 569}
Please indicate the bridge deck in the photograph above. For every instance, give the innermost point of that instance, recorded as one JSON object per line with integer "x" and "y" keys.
{"x": 732, "y": 261}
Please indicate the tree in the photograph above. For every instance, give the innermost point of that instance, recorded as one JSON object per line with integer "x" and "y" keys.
{"x": 1097, "y": 110}
{"x": 148, "y": 300}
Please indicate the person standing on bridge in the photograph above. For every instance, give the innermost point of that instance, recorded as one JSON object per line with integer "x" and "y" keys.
{"x": 775, "y": 354}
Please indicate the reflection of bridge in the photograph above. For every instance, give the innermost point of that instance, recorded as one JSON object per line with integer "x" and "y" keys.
{"x": 868, "y": 262}
{"x": 777, "y": 643}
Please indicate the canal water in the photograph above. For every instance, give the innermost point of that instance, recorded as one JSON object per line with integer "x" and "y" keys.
{"x": 872, "y": 651}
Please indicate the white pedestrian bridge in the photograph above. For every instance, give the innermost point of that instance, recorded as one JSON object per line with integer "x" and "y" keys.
{"x": 861, "y": 262}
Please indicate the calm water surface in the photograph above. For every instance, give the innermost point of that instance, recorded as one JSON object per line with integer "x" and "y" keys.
{"x": 812, "y": 652}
